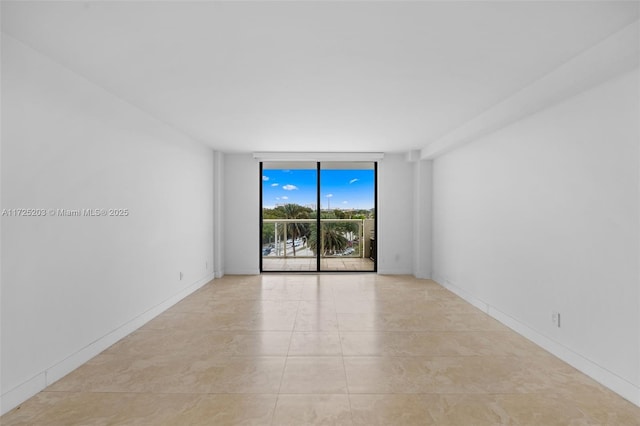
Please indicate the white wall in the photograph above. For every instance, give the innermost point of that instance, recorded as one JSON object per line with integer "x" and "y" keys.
{"x": 71, "y": 286}
{"x": 241, "y": 214}
{"x": 395, "y": 215}
{"x": 422, "y": 218}
{"x": 218, "y": 214}
{"x": 543, "y": 216}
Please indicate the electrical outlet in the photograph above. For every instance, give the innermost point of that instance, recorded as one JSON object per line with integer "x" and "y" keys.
{"x": 555, "y": 318}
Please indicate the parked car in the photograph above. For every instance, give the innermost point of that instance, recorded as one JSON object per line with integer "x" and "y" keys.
{"x": 266, "y": 251}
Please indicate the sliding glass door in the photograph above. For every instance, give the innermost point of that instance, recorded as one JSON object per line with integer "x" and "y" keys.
{"x": 347, "y": 225}
{"x": 317, "y": 216}
{"x": 289, "y": 216}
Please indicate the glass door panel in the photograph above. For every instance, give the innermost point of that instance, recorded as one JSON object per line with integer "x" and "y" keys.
{"x": 289, "y": 216}
{"x": 347, "y": 216}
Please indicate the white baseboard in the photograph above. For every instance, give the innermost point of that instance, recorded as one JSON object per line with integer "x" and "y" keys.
{"x": 617, "y": 384}
{"x": 40, "y": 381}
{"x": 394, "y": 271}
{"x": 22, "y": 392}
{"x": 243, "y": 272}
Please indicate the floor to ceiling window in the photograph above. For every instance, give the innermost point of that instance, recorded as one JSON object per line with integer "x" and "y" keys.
{"x": 318, "y": 216}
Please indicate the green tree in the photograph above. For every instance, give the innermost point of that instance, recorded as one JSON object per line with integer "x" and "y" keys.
{"x": 296, "y": 229}
{"x": 268, "y": 229}
{"x": 268, "y": 232}
{"x": 333, "y": 239}
{"x": 350, "y": 228}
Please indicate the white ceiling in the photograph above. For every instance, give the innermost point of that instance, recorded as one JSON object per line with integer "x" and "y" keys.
{"x": 314, "y": 76}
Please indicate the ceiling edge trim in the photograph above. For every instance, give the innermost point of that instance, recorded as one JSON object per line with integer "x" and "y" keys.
{"x": 612, "y": 56}
{"x": 318, "y": 156}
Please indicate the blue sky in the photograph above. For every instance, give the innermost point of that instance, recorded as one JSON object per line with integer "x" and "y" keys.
{"x": 343, "y": 189}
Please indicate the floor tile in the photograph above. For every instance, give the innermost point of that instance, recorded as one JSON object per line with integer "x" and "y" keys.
{"x": 518, "y": 409}
{"x": 87, "y": 408}
{"x": 316, "y": 320}
{"x": 323, "y": 375}
{"x": 433, "y": 343}
{"x": 600, "y": 404}
{"x": 417, "y": 321}
{"x": 315, "y": 343}
{"x": 391, "y": 409}
{"x": 225, "y": 409}
{"x": 201, "y": 342}
{"x": 257, "y": 321}
{"x": 476, "y": 374}
{"x": 296, "y": 410}
{"x": 169, "y": 374}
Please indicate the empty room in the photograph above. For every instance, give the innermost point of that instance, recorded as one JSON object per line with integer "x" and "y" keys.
{"x": 320, "y": 212}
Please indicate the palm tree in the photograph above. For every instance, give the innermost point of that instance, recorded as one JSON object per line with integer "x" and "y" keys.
{"x": 350, "y": 228}
{"x": 333, "y": 239}
{"x": 295, "y": 229}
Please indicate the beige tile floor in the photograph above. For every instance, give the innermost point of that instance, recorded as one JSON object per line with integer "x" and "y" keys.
{"x": 359, "y": 349}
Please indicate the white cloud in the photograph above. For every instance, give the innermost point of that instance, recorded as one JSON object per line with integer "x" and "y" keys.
{"x": 265, "y": 178}
{"x": 289, "y": 187}
{"x": 275, "y": 184}
{"x": 285, "y": 198}
{"x": 345, "y": 202}
{"x": 353, "y": 181}
{"x": 329, "y": 195}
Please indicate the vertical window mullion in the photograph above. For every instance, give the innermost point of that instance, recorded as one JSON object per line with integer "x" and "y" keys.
{"x": 318, "y": 216}
{"x": 261, "y": 220}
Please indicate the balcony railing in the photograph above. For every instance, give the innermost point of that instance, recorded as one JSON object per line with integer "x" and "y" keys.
{"x": 298, "y": 238}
